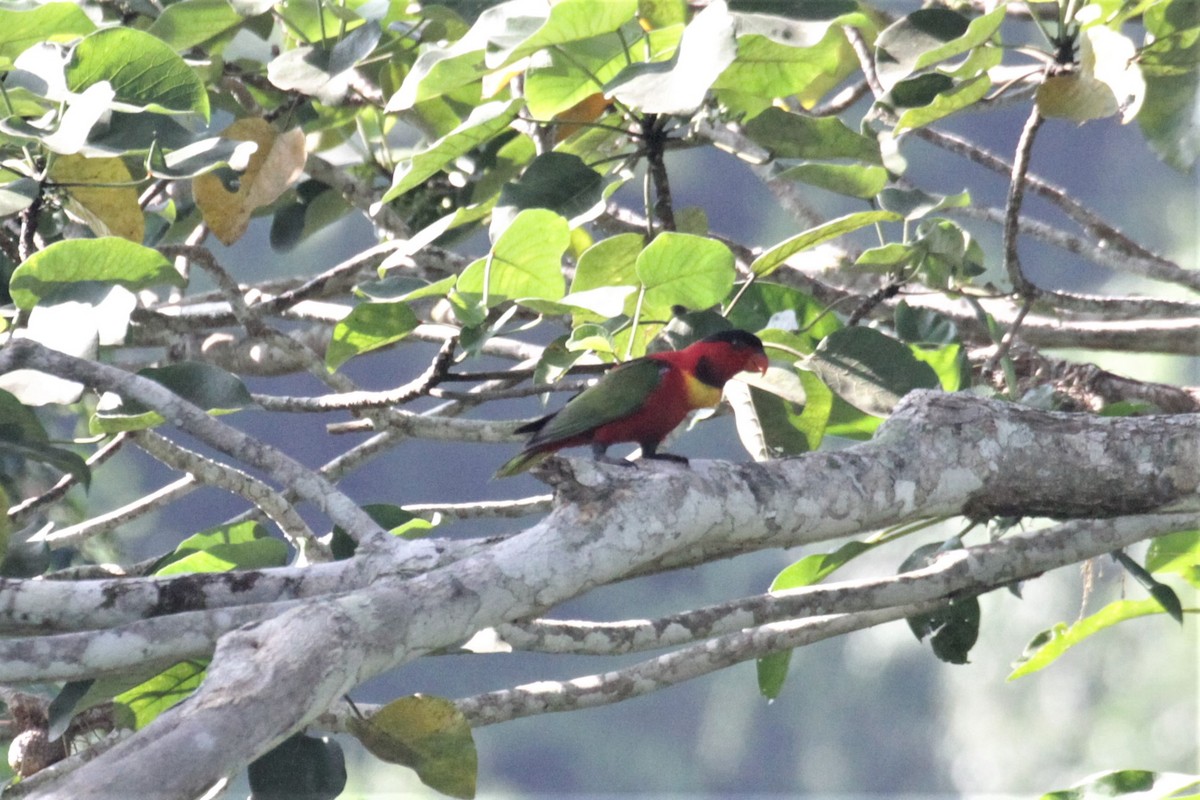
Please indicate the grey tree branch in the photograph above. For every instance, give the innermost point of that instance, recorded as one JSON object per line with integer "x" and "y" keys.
{"x": 23, "y": 353}
{"x": 938, "y": 455}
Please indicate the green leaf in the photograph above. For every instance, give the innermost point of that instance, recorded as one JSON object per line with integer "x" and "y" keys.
{"x": 869, "y": 369}
{"x": 107, "y": 260}
{"x": 954, "y": 628}
{"x": 394, "y": 519}
{"x": 1177, "y": 553}
{"x": 243, "y": 545}
{"x": 679, "y": 86}
{"x": 147, "y": 700}
{"x": 62, "y": 707}
{"x": 566, "y": 21}
{"x": 915, "y": 204}
{"x": 772, "y": 259}
{"x": 1144, "y": 785}
{"x": 1045, "y": 648}
{"x": 526, "y": 261}
{"x": 848, "y": 422}
{"x": 188, "y": 23}
{"x": 774, "y": 305}
{"x": 789, "y": 135}
{"x": 919, "y": 90}
{"x": 1171, "y": 67}
{"x": 609, "y": 262}
{"x": 202, "y": 384}
{"x": 369, "y": 326}
{"x": 429, "y": 735}
{"x": 1164, "y": 594}
{"x": 143, "y": 71}
{"x": 927, "y": 36}
{"x": 948, "y": 362}
{"x": 564, "y": 76}
{"x": 781, "y": 413}
{"x": 679, "y": 269}
{"x": 485, "y": 122}
{"x": 52, "y": 22}
{"x": 258, "y": 554}
{"x": 300, "y": 766}
{"x": 559, "y": 182}
{"x": 816, "y": 568}
{"x": 438, "y": 71}
{"x": 848, "y": 179}
{"x": 924, "y": 326}
{"x": 22, "y": 434}
{"x": 768, "y": 68}
{"x": 945, "y": 103}
{"x": 772, "y": 669}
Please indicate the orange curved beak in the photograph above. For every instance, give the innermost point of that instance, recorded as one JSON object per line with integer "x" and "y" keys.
{"x": 758, "y": 362}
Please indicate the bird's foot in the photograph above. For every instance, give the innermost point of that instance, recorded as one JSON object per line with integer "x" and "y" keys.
{"x": 616, "y": 462}
{"x": 665, "y": 457}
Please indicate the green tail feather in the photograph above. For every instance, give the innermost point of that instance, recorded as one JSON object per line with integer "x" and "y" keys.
{"x": 521, "y": 462}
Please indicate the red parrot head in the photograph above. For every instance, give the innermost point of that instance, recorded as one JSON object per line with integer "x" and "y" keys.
{"x": 725, "y": 354}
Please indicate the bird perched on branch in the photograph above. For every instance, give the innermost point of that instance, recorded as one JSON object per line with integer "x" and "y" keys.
{"x": 642, "y": 401}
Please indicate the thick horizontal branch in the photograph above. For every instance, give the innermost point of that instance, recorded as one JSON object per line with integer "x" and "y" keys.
{"x": 38, "y": 607}
{"x": 672, "y": 668}
{"x": 938, "y": 455}
{"x": 1018, "y": 557}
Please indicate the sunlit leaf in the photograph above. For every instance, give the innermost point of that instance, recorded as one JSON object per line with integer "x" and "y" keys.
{"x": 678, "y": 86}
{"x": 1177, "y": 553}
{"x": 142, "y": 69}
{"x": 147, "y": 700}
{"x": 369, "y": 326}
{"x": 189, "y": 23}
{"x": 774, "y": 258}
{"x": 848, "y": 179}
{"x": 526, "y": 261}
{"x": 52, "y": 22}
{"x": 563, "y": 22}
{"x": 105, "y": 260}
{"x": 483, "y": 123}
{"x": 1046, "y": 648}
{"x": 679, "y": 269}
{"x": 1138, "y": 783}
{"x": 427, "y": 734}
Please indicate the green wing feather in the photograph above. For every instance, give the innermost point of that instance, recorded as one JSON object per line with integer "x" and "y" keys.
{"x": 618, "y": 394}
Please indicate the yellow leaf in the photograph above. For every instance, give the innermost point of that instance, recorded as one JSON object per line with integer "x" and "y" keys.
{"x": 94, "y": 198}
{"x": 1075, "y": 96}
{"x": 427, "y": 734}
{"x": 274, "y": 167}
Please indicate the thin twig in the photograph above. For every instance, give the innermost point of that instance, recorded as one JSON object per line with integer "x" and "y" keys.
{"x": 1012, "y": 207}
{"x": 213, "y": 473}
{"x": 21, "y": 511}
{"x": 74, "y": 535}
{"x": 489, "y": 509}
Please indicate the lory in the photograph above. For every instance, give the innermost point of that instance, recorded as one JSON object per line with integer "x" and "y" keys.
{"x": 642, "y": 400}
